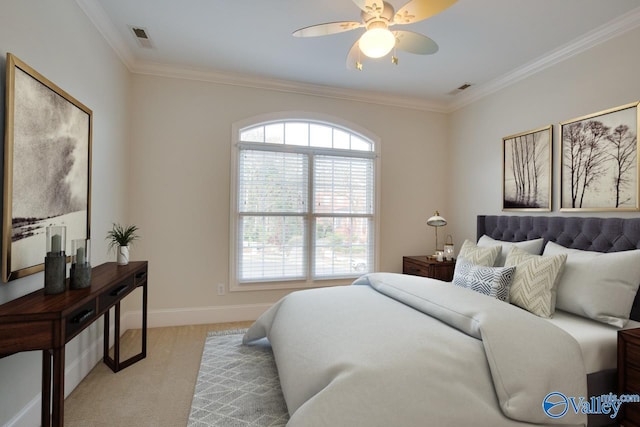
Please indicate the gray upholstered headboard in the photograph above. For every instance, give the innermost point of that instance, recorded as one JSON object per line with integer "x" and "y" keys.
{"x": 591, "y": 234}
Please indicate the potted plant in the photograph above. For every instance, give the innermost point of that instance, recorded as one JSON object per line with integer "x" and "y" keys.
{"x": 120, "y": 238}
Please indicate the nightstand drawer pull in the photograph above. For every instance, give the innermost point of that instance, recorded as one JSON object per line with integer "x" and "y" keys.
{"x": 119, "y": 291}
{"x": 141, "y": 275}
{"x": 83, "y": 317}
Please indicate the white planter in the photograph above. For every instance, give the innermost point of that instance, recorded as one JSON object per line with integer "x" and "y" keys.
{"x": 123, "y": 255}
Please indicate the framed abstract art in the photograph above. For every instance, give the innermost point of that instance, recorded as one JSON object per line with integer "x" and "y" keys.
{"x": 526, "y": 170}
{"x": 599, "y": 161}
{"x": 47, "y": 168}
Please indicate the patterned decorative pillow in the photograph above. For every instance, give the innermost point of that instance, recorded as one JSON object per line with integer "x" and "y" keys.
{"x": 479, "y": 255}
{"x": 534, "y": 281}
{"x": 491, "y": 281}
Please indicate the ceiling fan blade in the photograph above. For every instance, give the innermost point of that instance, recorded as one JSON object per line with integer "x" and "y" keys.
{"x": 417, "y": 10}
{"x": 415, "y": 43}
{"x": 372, "y": 7}
{"x": 353, "y": 57}
{"x": 327, "y": 28}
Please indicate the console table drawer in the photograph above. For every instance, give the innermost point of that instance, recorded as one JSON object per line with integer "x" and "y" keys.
{"x": 79, "y": 318}
{"x": 140, "y": 277}
{"x": 115, "y": 293}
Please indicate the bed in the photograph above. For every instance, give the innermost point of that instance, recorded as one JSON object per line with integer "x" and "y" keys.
{"x": 402, "y": 350}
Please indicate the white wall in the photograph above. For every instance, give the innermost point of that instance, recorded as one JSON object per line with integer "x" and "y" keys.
{"x": 57, "y": 40}
{"x": 181, "y": 148}
{"x": 175, "y": 185}
{"x": 603, "y": 77}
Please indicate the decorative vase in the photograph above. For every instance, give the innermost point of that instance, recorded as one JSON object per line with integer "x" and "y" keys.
{"x": 123, "y": 255}
{"x": 80, "y": 273}
{"x": 55, "y": 262}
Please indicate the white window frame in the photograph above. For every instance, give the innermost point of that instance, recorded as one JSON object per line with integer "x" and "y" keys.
{"x": 335, "y": 122}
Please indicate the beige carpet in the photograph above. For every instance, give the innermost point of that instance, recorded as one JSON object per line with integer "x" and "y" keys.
{"x": 156, "y": 391}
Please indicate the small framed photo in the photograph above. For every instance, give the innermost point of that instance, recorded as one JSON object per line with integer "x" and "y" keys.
{"x": 599, "y": 165}
{"x": 527, "y": 170}
{"x": 47, "y": 168}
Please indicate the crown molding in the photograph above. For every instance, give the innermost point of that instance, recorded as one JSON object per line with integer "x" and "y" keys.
{"x": 610, "y": 30}
{"x": 258, "y": 82}
{"x": 101, "y": 21}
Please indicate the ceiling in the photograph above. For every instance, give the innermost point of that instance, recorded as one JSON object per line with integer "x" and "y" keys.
{"x": 488, "y": 43}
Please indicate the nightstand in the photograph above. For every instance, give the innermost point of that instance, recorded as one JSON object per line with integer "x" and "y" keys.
{"x": 428, "y": 267}
{"x": 629, "y": 375}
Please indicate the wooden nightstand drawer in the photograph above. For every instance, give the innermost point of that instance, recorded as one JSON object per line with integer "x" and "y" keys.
{"x": 631, "y": 414}
{"x": 411, "y": 267}
{"x": 632, "y": 379}
{"x": 428, "y": 267}
{"x": 632, "y": 351}
{"x": 629, "y": 374}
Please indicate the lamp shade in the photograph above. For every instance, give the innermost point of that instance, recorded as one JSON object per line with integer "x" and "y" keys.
{"x": 436, "y": 220}
{"x": 377, "y": 42}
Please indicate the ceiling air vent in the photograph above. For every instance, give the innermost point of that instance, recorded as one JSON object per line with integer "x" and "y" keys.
{"x": 460, "y": 89}
{"x": 142, "y": 35}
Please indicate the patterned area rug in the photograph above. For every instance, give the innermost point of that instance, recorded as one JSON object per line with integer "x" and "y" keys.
{"x": 237, "y": 385}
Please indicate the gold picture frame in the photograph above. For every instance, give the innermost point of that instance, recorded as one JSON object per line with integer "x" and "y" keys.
{"x": 599, "y": 161}
{"x": 47, "y": 168}
{"x": 527, "y": 172}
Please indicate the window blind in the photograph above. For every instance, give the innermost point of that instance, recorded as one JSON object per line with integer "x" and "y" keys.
{"x": 303, "y": 212}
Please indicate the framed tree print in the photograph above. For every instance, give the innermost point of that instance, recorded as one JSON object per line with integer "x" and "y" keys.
{"x": 47, "y": 168}
{"x": 526, "y": 170}
{"x": 599, "y": 165}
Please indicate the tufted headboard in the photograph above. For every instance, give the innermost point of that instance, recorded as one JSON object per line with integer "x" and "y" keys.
{"x": 585, "y": 233}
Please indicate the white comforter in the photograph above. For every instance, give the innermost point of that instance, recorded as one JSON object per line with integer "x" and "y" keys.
{"x": 409, "y": 351}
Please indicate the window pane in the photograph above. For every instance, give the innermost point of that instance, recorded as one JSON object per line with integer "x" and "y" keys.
{"x": 340, "y": 139}
{"x": 272, "y": 181}
{"x": 296, "y": 134}
{"x": 360, "y": 144}
{"x": 255, "y": 134}
{"x": 343, "y": 185}
{"x": 274, "y": 133}
{"x": 343, "y": 247}
{"x": 272, "y": 248}
{"x": 321, "y": 136}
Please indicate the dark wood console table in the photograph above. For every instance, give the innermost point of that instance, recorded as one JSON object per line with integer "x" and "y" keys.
{"x": 47, "y": 322}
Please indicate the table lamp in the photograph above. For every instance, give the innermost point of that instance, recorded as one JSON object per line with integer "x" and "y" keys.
{"x": 436, "y": 221}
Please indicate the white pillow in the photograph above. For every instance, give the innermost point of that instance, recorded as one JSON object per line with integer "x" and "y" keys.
{"x": 533, "y": 247}
{"x": 477, "y": 255}
{"x": 534, "y": 282}
{"x": 600, "y": 286}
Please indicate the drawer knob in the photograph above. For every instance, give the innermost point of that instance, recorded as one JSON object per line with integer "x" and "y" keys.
{"x": 119, "y": 291}
{"x": 82, "y": 317}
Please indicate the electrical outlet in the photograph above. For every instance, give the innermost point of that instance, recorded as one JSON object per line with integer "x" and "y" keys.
{"x": 221, "y": 289}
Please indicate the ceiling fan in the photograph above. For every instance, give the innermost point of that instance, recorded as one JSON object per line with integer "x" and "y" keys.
{"x": 377, "y": 41}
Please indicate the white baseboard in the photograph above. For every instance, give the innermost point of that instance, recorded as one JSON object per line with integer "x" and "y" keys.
{"x": 193, "y": 316}
{"x": 74, "y": 373}
{"x": 28, "y": 416}
{"x": 77, "y": 369}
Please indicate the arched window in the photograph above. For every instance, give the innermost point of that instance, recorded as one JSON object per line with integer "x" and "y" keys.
{"x": 303, "y": 204}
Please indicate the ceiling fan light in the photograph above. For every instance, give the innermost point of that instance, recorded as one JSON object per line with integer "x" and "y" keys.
{"x": 377, "y": 42}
